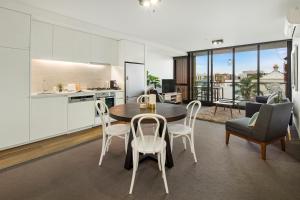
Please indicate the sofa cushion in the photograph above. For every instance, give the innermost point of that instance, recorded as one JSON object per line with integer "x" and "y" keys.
{"x": 271, "y": 99}
{"x": 239, "y": 126}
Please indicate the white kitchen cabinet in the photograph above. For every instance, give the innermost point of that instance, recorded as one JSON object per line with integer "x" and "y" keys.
{"x": 81, "y": 115}
{"x": 49, "y": 117}
{"x": 104, "y": 50}
{"x": 71, "y": 45}
{"x": 132, "y": 52}
{"x": 14, "y": 101}
{"x": 41, "y": 40}
{"x": 15, "y": 29}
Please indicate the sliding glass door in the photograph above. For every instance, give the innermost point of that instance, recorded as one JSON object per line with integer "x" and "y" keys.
{"x": 222, "y": 75}
{"x": 201, "y": 76}
{"x": 246, "y": 72}
{"x": 273, "y": 68}
{"x": 241, "y": 72}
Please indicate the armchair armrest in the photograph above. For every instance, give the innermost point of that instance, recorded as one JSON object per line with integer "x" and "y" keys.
{"x": 251, "y": 108}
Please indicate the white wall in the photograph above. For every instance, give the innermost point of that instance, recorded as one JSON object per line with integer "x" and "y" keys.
{"x": 159, "y": 62}
{"x": 296, "y": 94}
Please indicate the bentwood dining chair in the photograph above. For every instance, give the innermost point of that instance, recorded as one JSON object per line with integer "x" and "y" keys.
{"x": 149, "y": 144}
{"x": 108, "y": 130}
{"x": 186, "y": 130}
{"x": 143, "y": 99}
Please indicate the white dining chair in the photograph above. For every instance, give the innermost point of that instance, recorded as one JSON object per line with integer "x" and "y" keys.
{"x": 186, "y": 130}
{"x": 108, "y": 130}
{"x": 149, "y": 144}
{"x": 161, "y": 98}
{"x": 143, "y": 99}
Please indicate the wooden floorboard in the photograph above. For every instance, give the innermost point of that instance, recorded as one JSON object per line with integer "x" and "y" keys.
{"x": 18, "y": 155}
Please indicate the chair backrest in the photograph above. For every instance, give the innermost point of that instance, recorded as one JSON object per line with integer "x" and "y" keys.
{"x": 161, "y": 98}
{"x": 159, "y": 122}
{"x": 193, "y": 109}
{"x": 143, "y": 99}
{"x": 103, "y": 111}
{"x": 272, "y": 121}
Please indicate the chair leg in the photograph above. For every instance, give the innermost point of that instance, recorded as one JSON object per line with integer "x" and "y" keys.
{"x": 126, "y": 142}
{"x": 108, "y": 142}
{"x": 192, "y": 145}
{"x": 163, "y": 160}
{"x": 289, "y": 136}
{"x": 227, "y": 137}
{"x": 263, "y": 149}
{"x": 282, "y": 141}
{"x": 103, "y": 151}
{"x": 184, "y": 142}
{"x": 171, "y": 141}
{"x": 159, "y": 161}
{"x": 134, "y": 170}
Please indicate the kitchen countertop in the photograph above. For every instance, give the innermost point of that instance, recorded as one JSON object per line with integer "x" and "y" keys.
{"x": 70, "y": 94}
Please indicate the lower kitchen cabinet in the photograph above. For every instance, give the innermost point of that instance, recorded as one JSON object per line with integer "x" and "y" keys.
{"x": 81, "y": 114}
{"x": 49, "y": 117}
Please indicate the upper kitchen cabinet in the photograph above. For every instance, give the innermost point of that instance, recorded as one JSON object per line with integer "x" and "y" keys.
{"x": 104, "y": 50}
{"x": 41, "y": 40}
{"x": 131, "y": 52}
{"x": 15, "y": 29}
{"x": 71, "y": 45}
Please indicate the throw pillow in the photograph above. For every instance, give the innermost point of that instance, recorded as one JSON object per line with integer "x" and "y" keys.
{"x": 253, "y": 120}
{"x": 272, "y": 98}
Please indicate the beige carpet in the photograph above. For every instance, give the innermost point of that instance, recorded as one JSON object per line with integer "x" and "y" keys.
{"x": 207, "y": 114}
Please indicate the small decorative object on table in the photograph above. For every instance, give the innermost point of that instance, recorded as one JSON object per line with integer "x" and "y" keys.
{"x": 152, "y": 102}
{"x": 60, "y": 87}
{"x": 143, "y": 105}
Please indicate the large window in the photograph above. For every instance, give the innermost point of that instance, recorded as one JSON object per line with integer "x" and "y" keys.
{"x": 246, "y": 72}
{"x": 222, "y": 74}
{"x": 273, "y": 73}
{"x": 242, "y": 72}
{"x": 201, "y": 76}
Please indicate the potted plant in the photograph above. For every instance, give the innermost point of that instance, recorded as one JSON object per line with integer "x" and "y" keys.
{"x": 153, "y": 80}
{"x": 60, "y": 87}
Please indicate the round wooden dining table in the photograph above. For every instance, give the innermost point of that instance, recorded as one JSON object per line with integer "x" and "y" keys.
{"x": 126, "y": 112}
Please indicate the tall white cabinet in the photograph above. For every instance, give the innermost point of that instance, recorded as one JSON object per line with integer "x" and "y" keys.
{"x": 15, "y": 29}
{"x": 14, "y": 78}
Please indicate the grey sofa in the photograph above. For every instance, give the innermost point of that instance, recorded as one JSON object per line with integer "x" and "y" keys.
{"x": 271, "y": 125}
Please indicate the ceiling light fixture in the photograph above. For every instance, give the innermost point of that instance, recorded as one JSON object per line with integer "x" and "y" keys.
{"x": 149, "y": 3}
{"x": 217, "y": 42}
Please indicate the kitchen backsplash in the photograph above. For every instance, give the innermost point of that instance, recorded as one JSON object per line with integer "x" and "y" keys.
{"x": 47, "y": 74}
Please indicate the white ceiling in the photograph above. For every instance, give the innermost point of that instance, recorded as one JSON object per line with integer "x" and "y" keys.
{"x": 182, "y": 24}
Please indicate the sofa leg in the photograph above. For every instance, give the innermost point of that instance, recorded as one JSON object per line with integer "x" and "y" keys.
{"x": 263, "y": 149}
{"x": 282, "y": 141}
{"x": 227, "y": 137}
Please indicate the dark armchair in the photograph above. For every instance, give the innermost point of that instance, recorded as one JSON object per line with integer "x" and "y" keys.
{"x": 271, "y": 125}
{"x": 253, "y": 107}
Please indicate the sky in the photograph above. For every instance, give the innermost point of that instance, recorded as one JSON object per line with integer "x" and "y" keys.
{"x": 222, "y": 63}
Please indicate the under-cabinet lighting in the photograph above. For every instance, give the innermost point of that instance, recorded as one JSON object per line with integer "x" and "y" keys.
{"x": 66, "y": 63}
